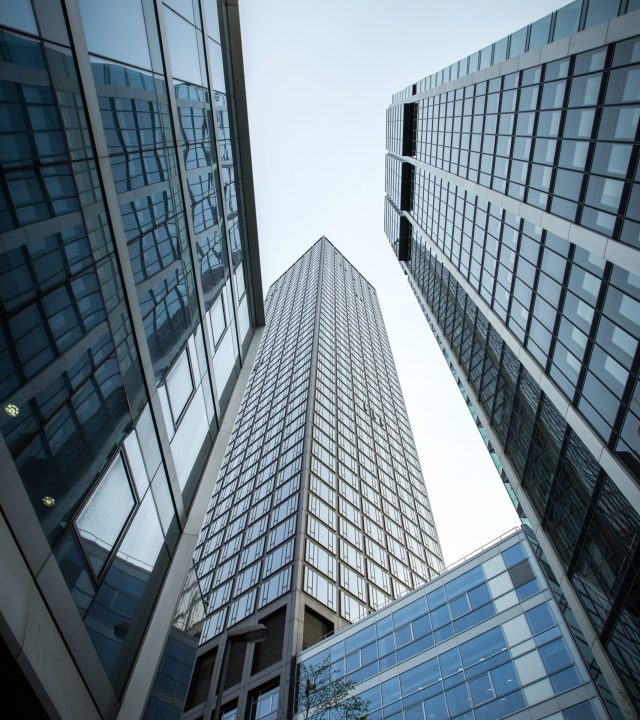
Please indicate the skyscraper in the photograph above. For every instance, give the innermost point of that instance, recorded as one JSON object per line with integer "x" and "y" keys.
{"x": 512, "y": 202}
{"x": 130, "y": 295}
{"x": 320, "y": 513}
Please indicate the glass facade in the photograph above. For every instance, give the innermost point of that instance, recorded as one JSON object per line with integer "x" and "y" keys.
{"x": 127, "y": 295}
{"x": 320, "y": 513}
{"x": 485, "y": 641}
{"x": 510, "y": 200}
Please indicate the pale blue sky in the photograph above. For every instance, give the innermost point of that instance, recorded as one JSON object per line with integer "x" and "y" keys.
{"x": 320, "y": 75}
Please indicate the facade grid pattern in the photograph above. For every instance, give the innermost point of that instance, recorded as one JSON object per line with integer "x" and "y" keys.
{"x": 518, "y": 182}
{"x": 127, "y": 308}
{"x": 320, "y": 514}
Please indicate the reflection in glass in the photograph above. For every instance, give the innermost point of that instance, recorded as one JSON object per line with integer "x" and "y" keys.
{"x": 101, "y": 520}
{"x": 116, "y": 30}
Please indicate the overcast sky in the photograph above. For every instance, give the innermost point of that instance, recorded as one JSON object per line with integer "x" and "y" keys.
{"x": 320, "y": 75}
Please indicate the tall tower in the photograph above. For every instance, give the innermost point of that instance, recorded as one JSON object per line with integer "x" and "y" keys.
{"x": 320, "y": 514}
{"x": 512, "y": 204}
{"x": 129, "y": 303}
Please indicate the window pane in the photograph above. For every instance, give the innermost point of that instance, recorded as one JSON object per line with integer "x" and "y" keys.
{"x": 116, "y": 30}
{"x": 105, "y": 514}
{"x": 600, "y": 11}
{"x": 567, "y": 19}
{"x": 183, "y": 48}
{"x": 179, "y": 385}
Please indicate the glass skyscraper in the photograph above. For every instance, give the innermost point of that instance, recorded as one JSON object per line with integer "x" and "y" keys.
{"x": 483, "y": 641}
{"x": 512, "y": 201}
{"x": 320, "y": 513}
{"x": 129, "y": 300}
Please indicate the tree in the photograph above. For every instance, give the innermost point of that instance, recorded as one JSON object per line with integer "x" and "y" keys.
{"x": 324, "y": 695}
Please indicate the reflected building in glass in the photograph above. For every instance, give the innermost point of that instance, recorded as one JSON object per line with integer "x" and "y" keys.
{"x": 320, "y": 514}
{"x": 130, "y": 298}
{"x": 484, "y": 641}
{"x": 512, "y": 183}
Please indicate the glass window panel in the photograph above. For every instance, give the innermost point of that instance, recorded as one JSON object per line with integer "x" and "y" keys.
{"x": 598, "y": 220}
{"x": 217, "y": 66}
{"x": 518, "y": 42}
{"x": 584, "y": 90}
{"x": 540, "y": 33}
{"x": 458, "y": 700}
{"x": 101, "y": 520}
{"x": 568, "y": 184}
{"x": 590, "y": 61}
{"x": 116, "y": 30}
{"x": 419, "y": 677}
{"x": 501, "y": 707}
{"x": 574, "y": 154}
{"x": 555, "y": 656}
{"x": 500, "y": 50}
{"x": 574, "y": 485}
{"x": 549, "y": 123}
{"x": 504, "y": 679}
{"x": 482, "y": 646}
{"x": 539, "y": 619}
{"x": 143, "y": 540}
{"x": 19, "y": 15}
{"x": 481, "y": 689}
{"x": 578, "y": 123}
{"x": 611, "y": 159}
{"x": 628, "y": 51}
{"x": 618, "y": 123}
{"x": 567, "y": 19}
{"x": 604, "y": 193}
{"x": 465, "y": 582}
{"x": 213, "y": 22}
{"x": 179, "y": 385}
{"x": 600, "y": 11}
{"x": 184, "y": 42}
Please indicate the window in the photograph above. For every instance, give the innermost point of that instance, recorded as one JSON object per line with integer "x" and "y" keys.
{"x": 105, "y": 514}
{"x": 264, "y": 704}
{"x": 240, "y": 284}
{"x": 179, "y": 385}
{"x": 218, "y": 319}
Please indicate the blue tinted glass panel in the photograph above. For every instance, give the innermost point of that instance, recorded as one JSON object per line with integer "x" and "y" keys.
{"x": 116, "y": 30}
{"x": 527, "y": 590}
{"x": 465, "y": 582}
{"x": 185, "y": 42}
{"x": 450, "y": 662}
{"x": 502, "y": 707}
{"x": 440, "y": 617}
{"x": 19, "y": 15}
{"x": 513, "y": 555}
{"x": 474, "y": 617}
{"x": 555, "y": 656}
{"x": 458, "y": 700}
{"x": 600, "y": 11}
{"x": 567, "y": 19}
{"x": 479, "y": 596}
{"x": 390, "y": 690}
{"x": 565, "y": 680}
{"x": 436, "y": 598}
{"x": 482, "y": 647}
{"x": 540, "y": 33}
{"x": 481, "y": 689}
{"x": 419, "y": 677}
{"x": 436, "y": 708}
{"x": 539, "y": 618}
{"x": 582, "y": 711}
{"x": 504, "y": 679}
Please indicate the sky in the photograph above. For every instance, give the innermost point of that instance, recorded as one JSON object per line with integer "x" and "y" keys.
{"x": 320, "y": 75}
